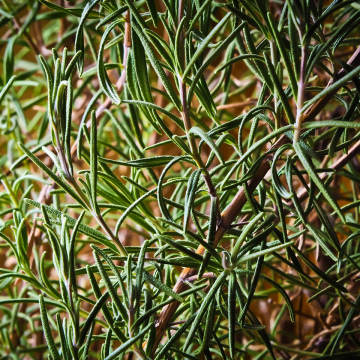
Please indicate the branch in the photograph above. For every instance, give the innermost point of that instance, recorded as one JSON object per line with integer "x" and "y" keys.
{"x": 231, "y": 212}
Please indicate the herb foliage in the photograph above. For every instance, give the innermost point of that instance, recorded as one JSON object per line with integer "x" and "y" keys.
{"x": 180, "y": 179}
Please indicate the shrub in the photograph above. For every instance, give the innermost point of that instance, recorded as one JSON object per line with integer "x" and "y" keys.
{"x": 180, "y": 179}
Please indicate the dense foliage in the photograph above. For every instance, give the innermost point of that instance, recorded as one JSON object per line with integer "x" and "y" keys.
{"x": 180, "y": 179}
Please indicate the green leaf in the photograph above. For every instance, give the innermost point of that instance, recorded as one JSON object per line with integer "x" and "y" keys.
{"x": 170, "y": 115}
{"x": 110, "y": 287}
{"x": 279, "y": 90}
{"x": 84, "y": 229}
{"x": 212, "y": 56}
{"x": 124, "y": 131}
{"x": 252, "y": 288}
{"x": 321, "y": 49}
{"x": 50, "y": 87}
{"x": 8, "y": 60}
{"x": 241, "y": 15}
{"x": 67, "y": 135}
{"x": 320, "y": 273}
{"x": 257, "y": 254}
{"x": 64, "y": 346}
{"x": 347, "y": 117}
{"x": 71, "y": 250}
{"x": 245, "y": 232}
{"x": 151, "y": 311}
{"x": 51, "y": 174}
{"x": 231, "y": 312}
{"x": 205, "y": 43}
{"x": 335, "y": 5}
{"x": 106, "y": 312}
{"x": 140, "y": 271}
{"x": 149, "y": 162}
{"x": 92, "y": 316}
{"x": 83, "y": 121}
{"x": 214, "y": 214}
{"x": 284, "y": 55}
{"x": 174, "y": 338}
{"x": 238, "y": 58}
{"x": 128, "y": 343}
{"x": 47, "y": 330}
{"x": 86, "y": 347}
{"x": 207, "y": 139}
{"x": 316, "y": 179}
{"x": 160, "y": 197}
{"x": 158, "y": 284}
{"x": 276, "y": 286}
{"x": 69, "y": 11}
{"x": 71, "y": 66}
{"x": 162, "y": 47}
{"x": 198, "y": 14}
{"x": 142, "y": 77}
{"x": 183, "y": 249}
{"x": 104, "y": 80}
{"x": 131, "y": 207}
{"x": 329, "y": 89}
{"x": 345, "y": 325}
{"x": 190, "y": 196}
{"x": 135, "y": 14}
{"x": 79, "y": 39}
{"x": 153, "y": 11}
{"x": 6, "y": 88}
{"x": 93, "y": 163}
{"x": 254, "y": 147}
{"x": 204, "y": 306}
{"x": 330, "y": 123}
{"x": 157, "y": 66}
{"x": 112, "y": 16}
{"x": 321, "y": 238}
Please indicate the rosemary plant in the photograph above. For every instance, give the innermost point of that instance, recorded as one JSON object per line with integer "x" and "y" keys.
{"x": 180, "y": 179}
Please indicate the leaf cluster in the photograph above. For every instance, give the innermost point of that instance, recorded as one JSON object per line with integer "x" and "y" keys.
{"x": 180, "y": 179}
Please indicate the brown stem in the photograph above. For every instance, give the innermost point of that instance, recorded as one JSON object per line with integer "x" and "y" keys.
{"x": 204, "y": 276}
{"x": 232, "y": 211}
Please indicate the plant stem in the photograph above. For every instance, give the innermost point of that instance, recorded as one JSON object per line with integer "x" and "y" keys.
{"x": 301, "y": 95}
{"x": 275, "y": 62}
{"x": 231, "y": 212}
{"x": 186, "y": 116}
{"x": 138, "y": 350}
{"x": 10, "y": 191}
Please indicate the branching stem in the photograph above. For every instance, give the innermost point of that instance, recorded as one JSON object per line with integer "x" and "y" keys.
{"x": 232, "y": 211}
